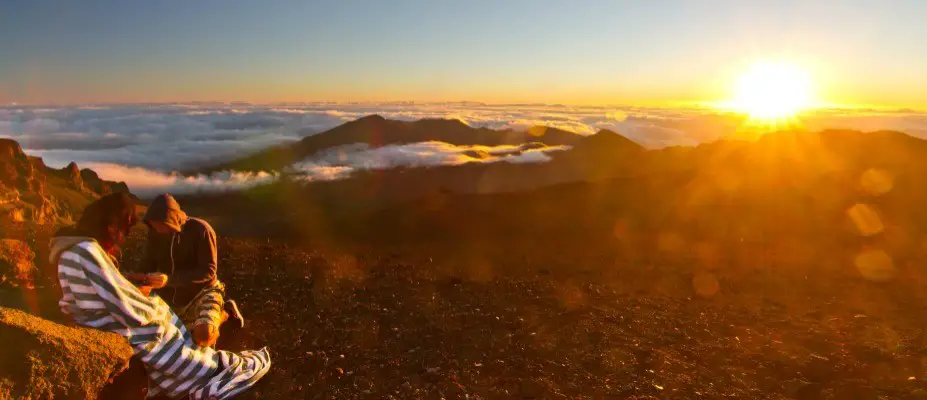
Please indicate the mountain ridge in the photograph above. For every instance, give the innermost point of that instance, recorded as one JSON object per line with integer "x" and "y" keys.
{"x": 376, "y": 131}
{"x": 33, "y": 191}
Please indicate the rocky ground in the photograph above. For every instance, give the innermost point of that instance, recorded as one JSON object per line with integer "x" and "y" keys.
{"x": 564, "y": 320}
{"x": 368, "y": 323}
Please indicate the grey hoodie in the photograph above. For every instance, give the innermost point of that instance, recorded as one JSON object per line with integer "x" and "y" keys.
{"x": 187, "y": 256}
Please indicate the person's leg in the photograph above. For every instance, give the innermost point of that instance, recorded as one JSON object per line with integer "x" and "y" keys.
{"x": 209, "y": 316}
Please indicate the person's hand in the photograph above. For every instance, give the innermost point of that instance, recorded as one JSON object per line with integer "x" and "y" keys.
{"x": 156, "y": 280}
{"x": 205, "y": 335}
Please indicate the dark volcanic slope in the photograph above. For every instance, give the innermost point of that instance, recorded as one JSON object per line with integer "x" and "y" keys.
{"x": 375, "y": 130}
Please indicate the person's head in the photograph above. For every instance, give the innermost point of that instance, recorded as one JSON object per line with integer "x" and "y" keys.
{"x": 164, "y": 215}
{"x": 108, "y": 220}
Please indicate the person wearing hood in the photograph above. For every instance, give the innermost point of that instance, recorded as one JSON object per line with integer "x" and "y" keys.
{"x": 184, "y": 248}
{"x": 95, "y": 294}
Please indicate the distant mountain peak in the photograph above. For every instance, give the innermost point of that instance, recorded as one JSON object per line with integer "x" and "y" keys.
{"x": 612, "y": 139}
{"x": 450, "y": 122}
{"x": 607, "y": 132}
{"x": 375, "y": 131}
{"x": 371, "y": 118}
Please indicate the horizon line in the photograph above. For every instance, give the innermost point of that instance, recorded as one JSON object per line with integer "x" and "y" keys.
{"x": 711, "y": 105}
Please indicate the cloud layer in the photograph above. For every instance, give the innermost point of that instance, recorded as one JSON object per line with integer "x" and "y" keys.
{"x": 336, "y": 163}
{"x": 142, "y": 144}
{"x": 147, "y": 183}
{"x": 424, "y": 154}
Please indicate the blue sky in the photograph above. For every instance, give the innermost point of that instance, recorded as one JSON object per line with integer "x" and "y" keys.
{"x": 588, "y": 52}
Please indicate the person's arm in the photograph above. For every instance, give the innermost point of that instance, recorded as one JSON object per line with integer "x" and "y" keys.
{"x": 127, "y": 305}
{"x": 204, "y": 270}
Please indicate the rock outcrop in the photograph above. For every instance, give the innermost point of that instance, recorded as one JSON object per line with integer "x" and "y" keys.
{"x": 47, "y": 360}
{"x": 16, "y": 264}
{"x": 32, "y": 191}
{"x": 15, "y": 167}
{"x": 71, "y": 175}
{"x": 93, "y": 182}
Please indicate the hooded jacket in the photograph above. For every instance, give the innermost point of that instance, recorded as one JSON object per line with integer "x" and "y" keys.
{"x": 63, "y": 240}
{"x": 187, "y": 255}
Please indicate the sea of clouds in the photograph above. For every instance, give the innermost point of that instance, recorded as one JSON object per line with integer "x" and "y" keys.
{"x": 144, "y": 145}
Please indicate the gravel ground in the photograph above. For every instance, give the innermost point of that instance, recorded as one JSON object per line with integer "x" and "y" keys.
{"x": 371, "y": 324}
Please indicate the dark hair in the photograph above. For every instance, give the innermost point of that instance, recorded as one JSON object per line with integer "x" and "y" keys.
{"x": 115, "y": 210}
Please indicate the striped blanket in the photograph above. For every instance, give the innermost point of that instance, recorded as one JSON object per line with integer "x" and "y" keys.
{"x": 95, "y": 294}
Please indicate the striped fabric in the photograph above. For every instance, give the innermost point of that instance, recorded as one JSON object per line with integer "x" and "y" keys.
{"x": 95, "y": 294}
{"x": 205, "y": 308}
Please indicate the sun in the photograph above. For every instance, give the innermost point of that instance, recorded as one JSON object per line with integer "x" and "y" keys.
{"x": 770, "y": 91}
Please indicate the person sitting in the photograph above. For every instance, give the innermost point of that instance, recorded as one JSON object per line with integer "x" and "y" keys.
{"x": 95, "y": 294}
{"x": 184, "y": 249}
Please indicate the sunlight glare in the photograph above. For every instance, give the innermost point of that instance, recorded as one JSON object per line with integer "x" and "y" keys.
{"x": 773, "y": 90}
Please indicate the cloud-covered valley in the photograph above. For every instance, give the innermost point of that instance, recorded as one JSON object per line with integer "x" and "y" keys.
{"x": 144, "y": 144}
{"x": 332, "y": 164}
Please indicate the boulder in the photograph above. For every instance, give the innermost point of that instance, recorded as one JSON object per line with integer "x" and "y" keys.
{"x": 46, "y": 360}
{"x": 16, "y": 263}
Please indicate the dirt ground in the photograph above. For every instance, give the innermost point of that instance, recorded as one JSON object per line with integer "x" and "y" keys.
{"x": 421, "y": 323}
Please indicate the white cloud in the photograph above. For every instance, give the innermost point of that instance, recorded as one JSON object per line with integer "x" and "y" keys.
{"x": 333, "y": 164}
{"x": 429, "y": 154}
{"x": 145, "y": 183}
{"x": 169, "y": 137}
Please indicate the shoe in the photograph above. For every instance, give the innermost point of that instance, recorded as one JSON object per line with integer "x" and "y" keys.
{"x": 235, "y": 317}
